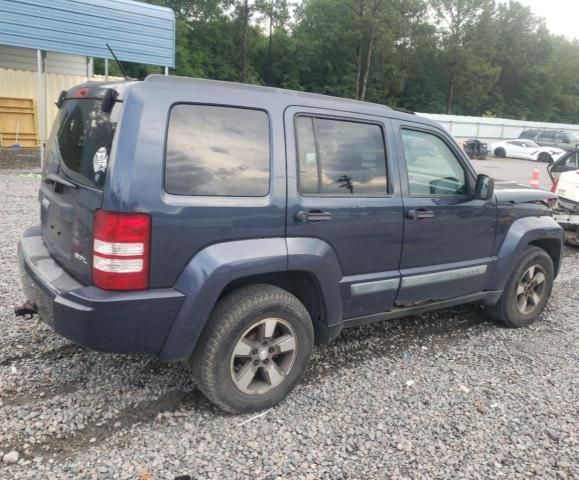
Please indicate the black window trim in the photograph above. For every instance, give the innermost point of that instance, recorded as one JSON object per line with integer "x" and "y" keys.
{"x": 313, "y": 115}
{"x": 469, "y": 172}
{"x": 219, "y": 105}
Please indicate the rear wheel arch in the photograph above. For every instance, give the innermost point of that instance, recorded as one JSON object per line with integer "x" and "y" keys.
{"x": 301, "y": 284}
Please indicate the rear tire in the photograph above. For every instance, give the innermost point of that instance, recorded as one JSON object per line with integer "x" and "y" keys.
{"x": 254, "y": 350}
{"x": 500, "y": 152}
{"x": 527, "y": 291}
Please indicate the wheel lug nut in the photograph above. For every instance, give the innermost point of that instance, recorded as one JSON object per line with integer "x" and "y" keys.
{"x": 271, "y": 349}
{"x": 255, "y": 352}
{"x": 256, "y": 362}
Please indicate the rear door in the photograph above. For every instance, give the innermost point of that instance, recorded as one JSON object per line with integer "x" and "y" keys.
{"x": 341, "y": 191}
{"x": 77, "y": 157}
{"x": 448, "y": 234}
{"x": 546, "y": 139}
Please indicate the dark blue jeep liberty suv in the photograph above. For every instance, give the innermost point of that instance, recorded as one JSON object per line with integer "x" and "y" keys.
{"x": 234, "y": 226}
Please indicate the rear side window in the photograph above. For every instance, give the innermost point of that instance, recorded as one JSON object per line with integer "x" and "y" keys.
{"x": 220, "y": 151}
{"x": 337, "y": 157}
{"x": 563, "y": 138}
{"x": 81, "y": 140}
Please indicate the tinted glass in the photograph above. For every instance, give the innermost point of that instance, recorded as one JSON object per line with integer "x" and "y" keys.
{"x": 529, "y": 134}
{"x": 338, "y": 157}
{"x": 81, "y": 141}
{"x": 432, "y": 167}
{"x": 572, "y": 160}
{"x": 547, "y": 137}
{"x": 217, "y": 151}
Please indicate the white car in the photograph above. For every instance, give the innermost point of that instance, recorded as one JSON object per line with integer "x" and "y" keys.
{"x": 527, "y": 150}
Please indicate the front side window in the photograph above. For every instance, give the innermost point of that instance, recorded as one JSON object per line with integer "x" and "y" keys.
{"x": 217, "y": 151}
{"x": 433, "y": 169}
{"x": 337, "y": 157}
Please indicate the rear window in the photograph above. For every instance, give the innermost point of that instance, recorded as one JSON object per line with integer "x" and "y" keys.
{"x": 217, "y": 151}
{"x": 81, "y": 141}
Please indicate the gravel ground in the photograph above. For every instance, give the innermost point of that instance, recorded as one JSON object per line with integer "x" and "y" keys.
{"x": 445, "y": 395}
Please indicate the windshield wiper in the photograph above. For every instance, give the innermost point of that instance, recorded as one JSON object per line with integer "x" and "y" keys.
{"x": 52, "y": 178}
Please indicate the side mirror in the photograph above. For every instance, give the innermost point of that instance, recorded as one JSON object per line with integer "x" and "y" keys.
{"x": 485, "y": 187}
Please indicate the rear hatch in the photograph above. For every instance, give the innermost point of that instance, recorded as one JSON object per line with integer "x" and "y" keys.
{"x": 77, "y": 157}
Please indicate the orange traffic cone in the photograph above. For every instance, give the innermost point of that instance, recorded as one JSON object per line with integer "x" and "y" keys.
{"x": 535, "y": 179}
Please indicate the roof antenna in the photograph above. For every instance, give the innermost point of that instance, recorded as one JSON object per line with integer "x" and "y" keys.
{"x": 118, "y": 62}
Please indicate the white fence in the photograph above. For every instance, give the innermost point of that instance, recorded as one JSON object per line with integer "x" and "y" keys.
{"x": 491, "y": 129}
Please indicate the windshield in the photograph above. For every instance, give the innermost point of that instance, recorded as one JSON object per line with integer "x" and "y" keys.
{"x": 81, "y": 139}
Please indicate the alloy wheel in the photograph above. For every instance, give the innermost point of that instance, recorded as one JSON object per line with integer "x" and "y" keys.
{"x": 530, "y": 289}
{"x": 263, "y": 356}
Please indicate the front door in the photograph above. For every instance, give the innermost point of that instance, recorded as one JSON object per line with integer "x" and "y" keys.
{"x": 448, "y": 234}
{"x": 341, "y": 192}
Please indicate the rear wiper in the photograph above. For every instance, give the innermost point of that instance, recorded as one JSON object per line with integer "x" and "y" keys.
{"x": 52, "y": 178}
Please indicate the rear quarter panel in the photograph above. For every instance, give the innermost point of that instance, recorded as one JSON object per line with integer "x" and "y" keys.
{"x": 184, "y": 225}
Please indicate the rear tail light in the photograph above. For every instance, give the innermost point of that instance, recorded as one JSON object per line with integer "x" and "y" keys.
{"x": 121, "y": 250}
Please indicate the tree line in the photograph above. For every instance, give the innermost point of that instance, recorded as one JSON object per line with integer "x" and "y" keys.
{"x": 465, "y": 57}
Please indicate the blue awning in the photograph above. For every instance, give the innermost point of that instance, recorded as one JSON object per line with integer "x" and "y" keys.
{"x": 137, "y": 32}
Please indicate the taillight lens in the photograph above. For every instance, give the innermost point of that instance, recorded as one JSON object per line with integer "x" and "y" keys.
{"x": 121, "y": 250}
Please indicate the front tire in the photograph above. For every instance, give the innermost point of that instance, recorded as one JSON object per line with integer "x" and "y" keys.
{"x": 527, "y": 291}
{"x": 544, "y": 157}
{"x": 254, "y": 350}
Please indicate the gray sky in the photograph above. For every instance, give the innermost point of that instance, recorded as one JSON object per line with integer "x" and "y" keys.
{"x": 561, "y": 15}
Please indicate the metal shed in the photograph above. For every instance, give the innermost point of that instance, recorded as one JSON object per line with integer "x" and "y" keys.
{"x": 136, "y": 31}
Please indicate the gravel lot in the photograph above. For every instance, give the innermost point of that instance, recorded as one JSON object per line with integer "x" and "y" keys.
{"x": 445, "y": 395}
{"x": 513, "y": 169}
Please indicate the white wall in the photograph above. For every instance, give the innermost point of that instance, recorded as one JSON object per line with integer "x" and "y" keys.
{"x": 491, "y": 129}
{"x": 25, "y": 59}
{"x": 24, "y": 84}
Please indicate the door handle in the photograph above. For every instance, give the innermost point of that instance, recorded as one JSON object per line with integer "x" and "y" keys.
{"x": 419, "y": 214}
{"x": 315, "y": 216}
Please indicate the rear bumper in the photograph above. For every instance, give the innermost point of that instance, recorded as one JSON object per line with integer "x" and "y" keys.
{"x": 120, "y": 322}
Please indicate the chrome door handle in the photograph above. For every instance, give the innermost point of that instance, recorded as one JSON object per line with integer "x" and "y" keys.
{"x": 315, "y": 216}
{"x": 419, "y": 214}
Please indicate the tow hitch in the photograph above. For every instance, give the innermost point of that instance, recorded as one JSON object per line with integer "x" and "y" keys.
{"x": 27, "y": 310}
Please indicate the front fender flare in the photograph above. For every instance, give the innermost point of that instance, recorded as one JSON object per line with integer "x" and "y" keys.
{"x": 521, "y": 233}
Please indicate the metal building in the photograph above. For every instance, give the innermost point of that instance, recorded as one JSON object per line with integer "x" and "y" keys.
{"x": 52, "y": 43}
